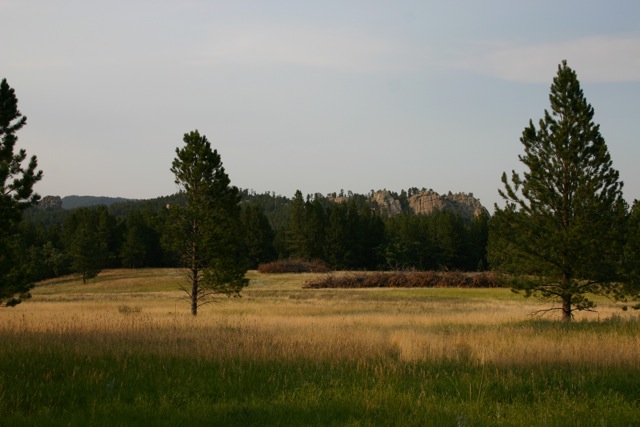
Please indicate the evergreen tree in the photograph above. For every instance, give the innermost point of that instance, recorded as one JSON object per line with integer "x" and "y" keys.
{"x": 373, "y": 237}
{"x": 29, "y": 253}
{"x": 86, "y": 241}
{"x": 296, "y": 239}
{"x": 477, "y": 243}
{"x": 361, "y": 236}
{"x": 46, "y": 257}
{"x": 155, "y": 220}
{"x": 53, "y": 259}
{"x": 258, "y": 236}
{"x": 448, "y": 234}
{"x": 632, "y": 248}
{"x": 563, "y": 223}
{"x": 107, "y": 236}
{"x": 133, "y": 250}
{"x": 336, "y": 237}
{"x": 314, "y": 229}
{"x": 205, "y": 233}
{"x": 16, "y": 194}
{"x": 86, "y": 253}
{"x": 410, "y": 242}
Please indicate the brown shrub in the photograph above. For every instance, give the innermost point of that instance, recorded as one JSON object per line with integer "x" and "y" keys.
{"x": 454, "y": 279}
{"x": 294, "y": 265}
{"x": 375, "y": 280}
{"x": 409, "y": 279}
{"x": 486, "y": 280}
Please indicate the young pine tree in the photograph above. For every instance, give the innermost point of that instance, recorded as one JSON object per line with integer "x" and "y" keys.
{"x": 205, "y": 233}
{"x": 562, "y": 228}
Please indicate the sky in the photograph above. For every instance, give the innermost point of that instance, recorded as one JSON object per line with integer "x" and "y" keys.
{"x": 316, "y": 96}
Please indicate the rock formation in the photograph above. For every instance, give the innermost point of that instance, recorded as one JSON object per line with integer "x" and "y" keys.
{"x": 50, "y": 203}
{"x": 428, "y": 201}
{"x": 387, "y": 205}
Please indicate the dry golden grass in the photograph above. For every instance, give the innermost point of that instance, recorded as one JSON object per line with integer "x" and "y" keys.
{"x": 143, "y": 312}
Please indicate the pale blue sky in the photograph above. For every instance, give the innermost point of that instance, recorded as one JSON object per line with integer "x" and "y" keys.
{"x": 310, "y": 95}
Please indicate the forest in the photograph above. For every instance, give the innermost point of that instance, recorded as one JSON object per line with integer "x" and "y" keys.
{"x": 346, "y": 235}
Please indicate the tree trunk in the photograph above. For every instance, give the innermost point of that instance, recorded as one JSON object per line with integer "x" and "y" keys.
{"x": 195, "y": 270}
{"x": 566, "y": 308}
{"x": 194, "y": 292}
{"x": 194, "y": 280}
{"x": 567, "y": 314}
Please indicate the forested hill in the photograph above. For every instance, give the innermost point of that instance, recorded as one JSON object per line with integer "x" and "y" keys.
{"x": 74, "y": 202}
{"x": 386, "y": 203}
{"x": 381, "y": 230}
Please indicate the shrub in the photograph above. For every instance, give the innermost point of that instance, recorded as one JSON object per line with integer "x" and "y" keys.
{"x": 409, "y": 279}
{"x": 294, "y": 265}
{"x": 486, "y": 280}
{"x": 125, "y": 309}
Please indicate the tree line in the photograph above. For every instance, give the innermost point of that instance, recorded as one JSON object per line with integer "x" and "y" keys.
{"x": 347, "y": 235}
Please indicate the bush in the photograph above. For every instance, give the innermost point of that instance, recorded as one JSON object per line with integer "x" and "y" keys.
{"x": 295, "y": 266}
{"x": 410, "y": 279}
{"x": 486, "y": 280}
{"x": 125, "y": 309}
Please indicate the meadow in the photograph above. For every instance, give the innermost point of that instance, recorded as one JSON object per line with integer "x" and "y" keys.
{"x": 124, "y": 350}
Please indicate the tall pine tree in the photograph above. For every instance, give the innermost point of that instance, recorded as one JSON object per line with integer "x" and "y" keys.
{"x": 296, "y": 237}
{"x": 205, "y": 233}
{"x": 562, "y": 227}
{"x": 16, "y": 194}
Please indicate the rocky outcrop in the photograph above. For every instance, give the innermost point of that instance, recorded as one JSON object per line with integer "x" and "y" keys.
{"x": 386, "y": 203}
{"x": 50, "y": 203}
{"x": 428, "y": 201}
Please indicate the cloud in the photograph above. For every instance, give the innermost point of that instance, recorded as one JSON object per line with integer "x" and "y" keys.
{"x": 596, "y": 59}
{"x": 339, "y": 49}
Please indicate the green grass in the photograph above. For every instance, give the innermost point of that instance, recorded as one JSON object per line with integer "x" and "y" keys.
{"x": 129, "y": 389}
{"x": 104, "y": 365}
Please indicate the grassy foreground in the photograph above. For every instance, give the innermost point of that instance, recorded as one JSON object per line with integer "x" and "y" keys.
{"x": 123, "y": 350}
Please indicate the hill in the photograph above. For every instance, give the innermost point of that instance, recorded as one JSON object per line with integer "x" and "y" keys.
{"x": 276, "y": 207}
{"x": 73, "y": 202}
{"x": 52, "y": 203}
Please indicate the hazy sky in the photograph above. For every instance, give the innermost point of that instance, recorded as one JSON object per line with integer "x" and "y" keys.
{"x": 310, "y": 95}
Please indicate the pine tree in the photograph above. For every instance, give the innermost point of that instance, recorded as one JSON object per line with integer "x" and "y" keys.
{"x": 258, "y": 236}
{"x": 336, "y": 237}
{"x": 408, "y": 242}
{"x": 205, "y": 233}
{"x": 314, "y": 228}
{"x": 632, "y": 249}
{"x": 296, "y": 238}
{"x": 447, "y": 235}
{"x": 86, "y": 241}
{"x": 133, "y": 250}
{"x": 562, "y": 227}
{"x": 477, "y": 243}
{"x": 16, "y": 194}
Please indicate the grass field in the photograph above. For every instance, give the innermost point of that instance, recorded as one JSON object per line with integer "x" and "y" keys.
{"x": 124, "y": 350}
